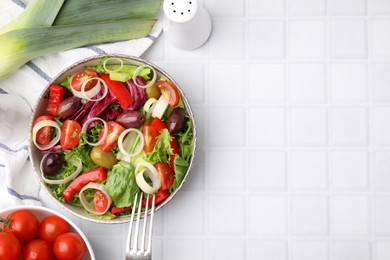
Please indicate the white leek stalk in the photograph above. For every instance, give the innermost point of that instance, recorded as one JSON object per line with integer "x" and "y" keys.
{"x": 19, "y": 46}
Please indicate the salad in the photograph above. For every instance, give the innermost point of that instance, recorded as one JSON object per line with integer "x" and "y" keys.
{"x": 111, "y": 131}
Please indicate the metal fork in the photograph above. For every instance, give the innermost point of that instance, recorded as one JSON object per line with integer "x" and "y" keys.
{"x": 135, "y": 245}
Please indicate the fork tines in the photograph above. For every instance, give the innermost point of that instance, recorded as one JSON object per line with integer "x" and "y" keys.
{"x": 139, "y": 245}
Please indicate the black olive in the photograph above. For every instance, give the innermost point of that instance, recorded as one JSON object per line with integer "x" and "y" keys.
{"x": 176, "y": 120}
{"x": 51, "y": 163}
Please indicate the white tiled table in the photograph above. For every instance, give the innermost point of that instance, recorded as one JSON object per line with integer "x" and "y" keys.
{"x": 292, "y": 104}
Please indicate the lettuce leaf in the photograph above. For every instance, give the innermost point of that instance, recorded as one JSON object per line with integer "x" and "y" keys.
{"x": 181, "y": 166}
{"x": 185, "y": 141}
{"x": 121, "y": 184}
{"x": 162, "y": 150}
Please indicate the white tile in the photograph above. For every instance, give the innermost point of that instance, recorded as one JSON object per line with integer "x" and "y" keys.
{"x": 347, "y": 7}
{"x": 348, "y": 82}
{"x": 218, "y": 119}
{"x": 382, "y": 250}
{"x": 157, "y": 248}
{"x": 382, "y": 215}
{"x": 266, "y": 39}
{"x": 350, "y": 215}
{"x": 308, "y": 170}
{"x": 174, "y": 53}
{"x": 307, "y": 39}
{"x": 266, "y": 82}
{"x": 306, "y": 7}
{"x": 381, "y": 125}
{"x": 96, "y": 229}
{"x": 223, "y": 89}
{"x": 267, "y": 249}
{"x": 381, "y": 167}
{"x": 185, "y": 222}
{"x": 380, "y": 80}
{"x": 192, "y": 84}
{"x": 351, "y": 250}
{"x": 309, "y": 250}
{"x": 348, "y": 38}
{"x": 380, "y": 38}
{"x": 226, "y": 249}
{"x": 271, "y": 130}
{"x": 221, "y": 214}
{"x": 267, "y": 170}
{"x": 224, "y": 169}
{"x": 265, "y": 7}
{"x": 308, "y": 126}
{"x": 219, "y": 8}
{"x": 267, "y": 215}
{"x": 310, "y": 215}
{"x": 307, "y": 83}
{"x": 103, "y": 250}
{"x": 380, "y": 6}
{"x": 349, "y": 170}
{"x": 349, "y": 126}
{"x": 231, "y": 32}
{"x": 179, "y": 249}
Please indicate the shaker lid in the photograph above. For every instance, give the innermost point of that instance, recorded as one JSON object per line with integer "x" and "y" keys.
{"x": 180, "y": 11}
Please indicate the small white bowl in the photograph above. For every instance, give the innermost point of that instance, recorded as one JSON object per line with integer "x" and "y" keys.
{"x": 41, "y": 212}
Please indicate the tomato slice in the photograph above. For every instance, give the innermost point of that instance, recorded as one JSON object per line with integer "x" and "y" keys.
{"x": 158, "y": 124}
{"x": 169, "y": 92}
{"x": 100, "y": 201}
{"x": 56, "y": 96}
{"x": 114, "y": 130}
{"x": 70, "y": 134}
{"x": 161, "y": 195}
{"x": 45, "y": 133}
{"x": 78, "y": 79}
{"x": 150, "y": 136}
{"x": 167, "y": 175}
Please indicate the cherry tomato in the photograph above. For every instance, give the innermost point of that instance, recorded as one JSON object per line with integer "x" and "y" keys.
{"x": 45, "y": 133}
{"x": 78, "y": 79}
{"x": 150, "y": 136}
{"x": 114, "y": 130}
{"x": 100, "y": 201}
{"x": 167, "y": 175}
{"x": 23, "y": 224}
{"x": 158, "y": 124}
{"x": 69, "y": 246}
{"x": 51, "y": 227}
{"x": 10, "y": 247}
{"x": 70, "y": 134}
{"x": 38, "y": 249}
{"x": 169, "y": 92}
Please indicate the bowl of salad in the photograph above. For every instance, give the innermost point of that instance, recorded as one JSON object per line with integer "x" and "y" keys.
{"x": 33, "y": 232}
{"x": 108, "y": 128}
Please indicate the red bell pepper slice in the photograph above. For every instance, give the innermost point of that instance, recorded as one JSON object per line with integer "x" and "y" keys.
{"x": 97, "y": 174}
{"x": 119, "y": 90}
{"x": 56, "y": 96}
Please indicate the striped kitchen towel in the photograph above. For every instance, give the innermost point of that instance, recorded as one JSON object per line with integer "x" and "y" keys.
{"x": 18, "y": 184}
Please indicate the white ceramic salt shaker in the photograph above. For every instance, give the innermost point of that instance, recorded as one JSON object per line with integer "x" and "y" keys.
{"x": 187, "y": 25}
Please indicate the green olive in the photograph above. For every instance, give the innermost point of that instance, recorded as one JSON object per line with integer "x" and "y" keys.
{"x": 153, "y": 91}
{"x": 102, "y": 158}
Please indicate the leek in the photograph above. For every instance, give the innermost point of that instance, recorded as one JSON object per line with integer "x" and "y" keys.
{"x": 37, "y": 13}
{"x": 87, "y": 11}
{"x": 19, "y": 46}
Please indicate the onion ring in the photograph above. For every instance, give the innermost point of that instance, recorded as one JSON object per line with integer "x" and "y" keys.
{"x": 153, "y": 175}
{"x": 84, "y": 202}
{"x": 84, "y": 130}
{"x": 42, "y": 124}
{"x": 138, "y": 70}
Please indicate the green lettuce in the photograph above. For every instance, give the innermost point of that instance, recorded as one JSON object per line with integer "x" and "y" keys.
{"x": 162, "y": 150}
{"x": 181, "y": 167}
{"x": 185, "y": 141}
{"x": 121, "y": 184}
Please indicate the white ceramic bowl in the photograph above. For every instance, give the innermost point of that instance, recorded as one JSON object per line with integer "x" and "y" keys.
{"x": 40, "y": 109}
{"x": 41, "y": 212}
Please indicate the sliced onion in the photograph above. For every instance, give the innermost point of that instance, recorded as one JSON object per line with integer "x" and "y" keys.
{"x": 138, "y": 70}
{"x": 149, "y": 105}
{"x": 160, "y": 107}
{"x": 85, "y": 128}
{"x": 126, "y": 141}
{"x": 151, "y": 172}
{"x": 84, "y": 202}
{"x": 42, "y": 124}
{"x": 112, "y": 59}
{"x": 88, "y": 95}
{"x": 62, "y": 181}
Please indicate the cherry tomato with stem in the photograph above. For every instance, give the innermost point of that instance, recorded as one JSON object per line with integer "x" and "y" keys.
{"x": 23, "y": 224}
